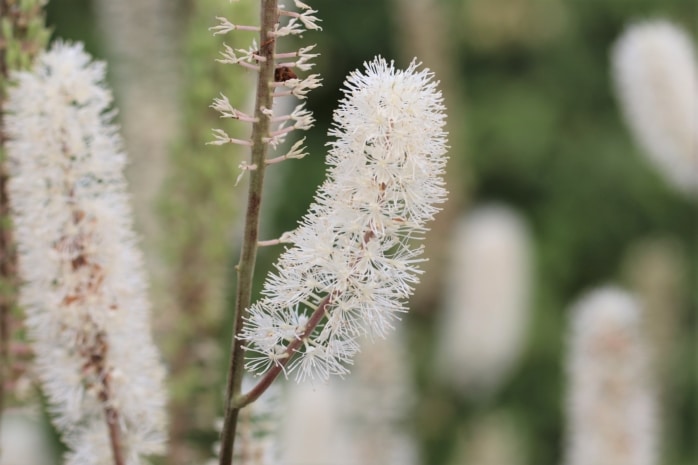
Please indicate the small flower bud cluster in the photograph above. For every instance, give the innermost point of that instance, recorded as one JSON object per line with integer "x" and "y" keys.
{"x": 286, "y": 81}
{"x": 353, "y": 257}
{"x": 611, "y": 404}
{"x": 84, "y": 287}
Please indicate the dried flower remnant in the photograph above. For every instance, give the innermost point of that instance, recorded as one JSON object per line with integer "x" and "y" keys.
{"x": 656, "y": 81}
{"x": 353, "y": 261}
{"x": 611, "y": 412}
{"x": 84, "y": 287}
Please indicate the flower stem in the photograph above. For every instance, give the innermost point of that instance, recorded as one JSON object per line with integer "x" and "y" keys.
{"x": 112, "y": 417}
{"x": 248, "y": 255}
{"x": 273, "y": 373}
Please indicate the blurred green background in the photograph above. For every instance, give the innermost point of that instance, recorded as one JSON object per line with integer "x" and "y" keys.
{"x": 534, "y": 125}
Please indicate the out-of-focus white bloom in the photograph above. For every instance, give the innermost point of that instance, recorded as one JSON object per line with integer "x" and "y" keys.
{"x": 354, "y": 250}
{"x": 610, "y": 405}
{"x": 656, "y": 79}
{"x": 313, "y": 433}
{"x": 377, "y": 402}
{"x": 356, "y": 422}
{"x": 486, "y": 313}
{"x": 84, "y": 287}
{"x": 22, "y": 439}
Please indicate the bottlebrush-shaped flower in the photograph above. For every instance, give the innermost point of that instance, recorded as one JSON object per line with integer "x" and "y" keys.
{"x": 84, "y": 287}
{"x": 611, "y": 405}
{"x": 353, "y": 261}
{"x": 656, "y": 80}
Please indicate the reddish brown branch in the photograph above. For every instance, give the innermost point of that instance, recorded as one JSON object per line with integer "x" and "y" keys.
{"x": 291, "y": 349}
{"x": 112, "y": 417}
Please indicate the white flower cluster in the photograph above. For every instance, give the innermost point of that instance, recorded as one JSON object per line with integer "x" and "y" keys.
{"x": 354, "y": 258}
{"x": 84, "y": 287}
{"x": 611, "y": 403}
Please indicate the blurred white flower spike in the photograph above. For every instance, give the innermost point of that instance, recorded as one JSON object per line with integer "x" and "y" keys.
{"x": 353, "y": 261}
{"x": 486, "y": 314}
{"x": 611, "y": 410}
{"x": 656, "y": 81}
{"x": 84, "y": 288}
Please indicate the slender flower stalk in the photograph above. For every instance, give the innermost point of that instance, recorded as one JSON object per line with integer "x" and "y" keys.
{"x": 611, "y": 405}
{"x": 260, "y": 57}
{"x": 656, "y": 79}
{"x": 85, "y": 289}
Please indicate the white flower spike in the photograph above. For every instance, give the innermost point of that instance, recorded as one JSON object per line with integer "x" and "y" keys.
{"x": 84, "y": 286}
{"x": 354, "y": 262}
{"x": 611, "y": 405}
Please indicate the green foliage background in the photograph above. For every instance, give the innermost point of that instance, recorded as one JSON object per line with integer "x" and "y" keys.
{"x": 544, "y": 134}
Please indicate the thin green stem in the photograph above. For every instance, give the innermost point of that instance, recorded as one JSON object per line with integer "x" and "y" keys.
{"x": 248, "y": 255}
